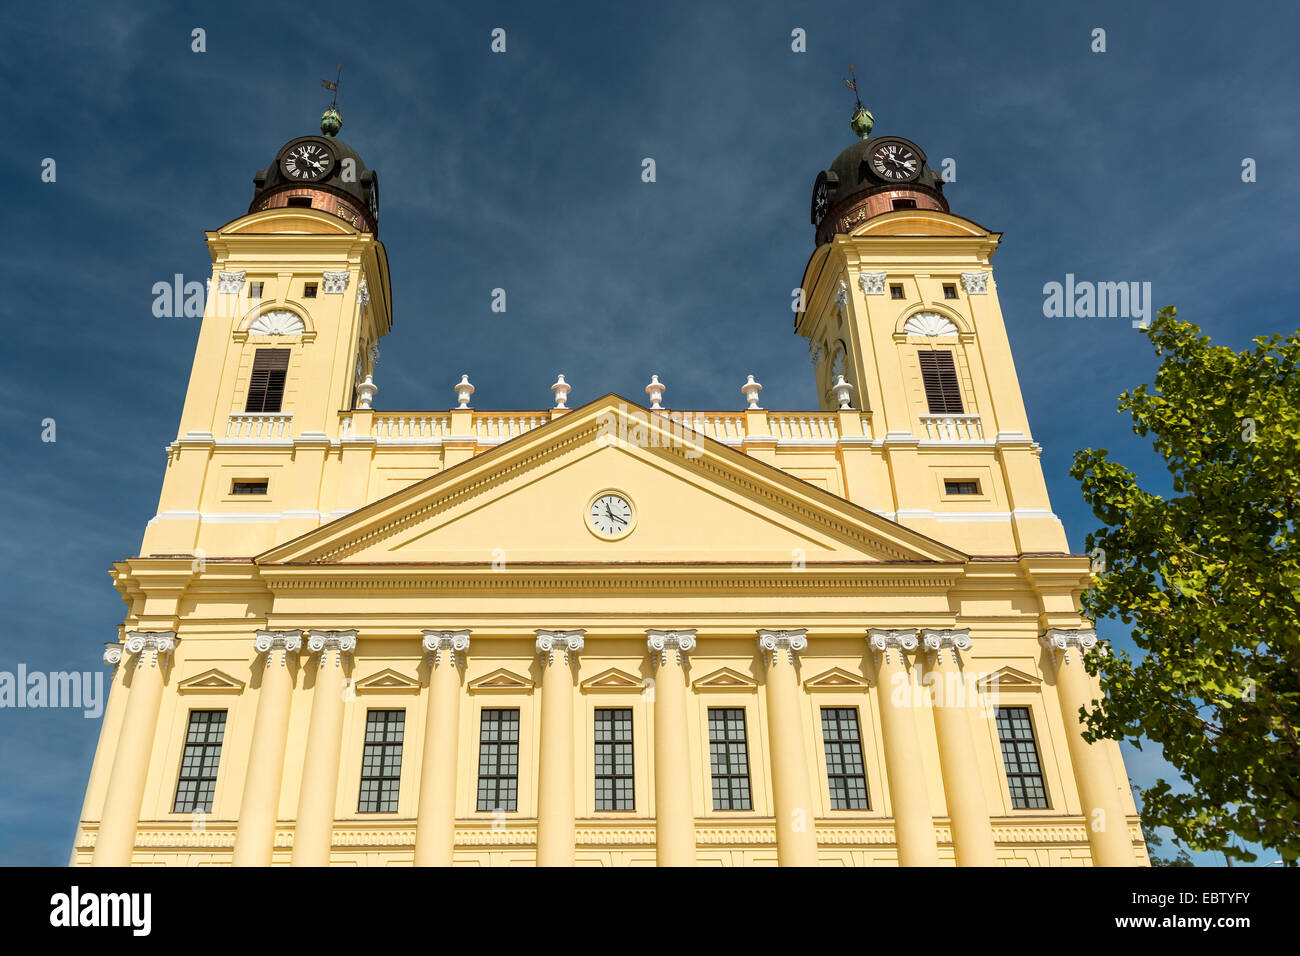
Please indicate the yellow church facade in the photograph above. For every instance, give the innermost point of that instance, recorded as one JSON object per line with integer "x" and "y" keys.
{"x": 604, "y": 633}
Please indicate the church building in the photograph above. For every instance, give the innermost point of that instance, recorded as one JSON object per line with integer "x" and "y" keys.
{"x": 613, "y": 632}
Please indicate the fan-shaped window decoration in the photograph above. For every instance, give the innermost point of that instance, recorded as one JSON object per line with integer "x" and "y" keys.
{"x": 279, "y": 322}
{"x": 929, "y": 323}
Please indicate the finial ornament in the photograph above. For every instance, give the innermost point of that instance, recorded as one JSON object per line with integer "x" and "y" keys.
{"x": 331, "y": 122}
{"x": 560, "y": 390}
{"x": 751, "y": 390}
{"x": 862, "y": 120}
{"x": 463, "y": 391}
{"x": 843, "y": 392}
{"x": 655, "y": 392}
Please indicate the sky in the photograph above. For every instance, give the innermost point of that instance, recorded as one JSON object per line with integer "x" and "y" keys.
{"x": 522, "y": 170}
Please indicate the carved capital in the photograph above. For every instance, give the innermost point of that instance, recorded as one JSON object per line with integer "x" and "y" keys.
{"x": 230, "y": 281}
{"x": 872, "y": 283}
{"x": 774, "y": 642}
{"x": 885, "y": 640}
{"x": 335, "y": 282}
{"x": 338, "y": 642}
{"x": 113, "y": 654}
{"x": 938, "y": 640}
{"x": 150, "y": 644}
{"x": 363, "y": 294}
{"x": 1059, "y": 639}
{"x": 842, "y": 294}
{"x": 283, "y": 642}
{"x": 570, "y": 642}
{"x": 455, "y": 642}
{"x": 681, "y": 641}
{"x": 975, "y": 283}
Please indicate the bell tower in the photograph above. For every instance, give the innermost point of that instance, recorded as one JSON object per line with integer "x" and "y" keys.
{"x": 299, "y": 297}
{"x": 902, "y": 318}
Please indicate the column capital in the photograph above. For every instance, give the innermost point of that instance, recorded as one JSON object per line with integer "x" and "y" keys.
{"x": 660, "y": 642}
{"x": 436, "y": 641}
{"x": 776, "y": 641}
{"x": 569, "y": 641}
{"x": 151, "y": 643}
{"x": 1062, "y": 639}
{"x": 112, "y": 653}
{"x": 286, "y": 642}
{"x": 340, "y": 642}
{"x": 937, "y": 640}
{"x": 884, "y": 639}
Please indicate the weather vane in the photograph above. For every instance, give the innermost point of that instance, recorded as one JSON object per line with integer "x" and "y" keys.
{"x": 331, "y": 122}
{"x": 862, "y": 120}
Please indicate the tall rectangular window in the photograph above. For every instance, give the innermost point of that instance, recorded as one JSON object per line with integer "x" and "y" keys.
{"x": 728, "y": 758}
{"x": 381, "y": 761}
{"x": 1020, "y": 755}
{"x": 266, "y": 384}
{"x": 844, "y": 771}
{"x": 614, "y": 759}
{"x": 498, "y": 760}
{"x": 198, "y": 777}
{"x": 940, "y": 379}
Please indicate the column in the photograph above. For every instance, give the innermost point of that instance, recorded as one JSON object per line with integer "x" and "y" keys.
{"x": 110, "y": 730}
{"x": 259, "y": 809}
{"x": 555, "y": 775}
{"x": 117, "y": 824}
{"x": 435, "y": 828}
{"x": 314, "y": 829}
{"x": 1103, "y": 807}
{"x": 674, "y": 799}
{"x": 796, "y": 831}
{"x": 952, "y": 702}
{"x": 913, "y": 823}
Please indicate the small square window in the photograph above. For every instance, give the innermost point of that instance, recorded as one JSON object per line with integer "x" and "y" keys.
{"x": 301, "y": 202}
{"x": 309, "y": 290}
{"x": 904, "y": 203}
{"x": 895, "y": 291}
{"x": 949, "y": 290}
{"x": 256, "y": 487}
{"x": 255, "y": 290}
{"x": 961, "y": 487}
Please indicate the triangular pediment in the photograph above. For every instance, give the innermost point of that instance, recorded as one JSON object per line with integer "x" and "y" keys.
{"x": 836, "y": 678}
{"x": 211, "y": 681}
{"x": 1010, "y": 677}
{"x": 387, "y": 680}
{"x": 613, "y": 679}
{"x": 501, "y": 679}
{"x": 724, "y": 678}
{"x": 693, "y": 500}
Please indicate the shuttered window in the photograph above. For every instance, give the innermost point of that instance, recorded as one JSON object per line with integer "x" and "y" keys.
{"x": 940, "y": 378}
{"x": 266, "y": 386}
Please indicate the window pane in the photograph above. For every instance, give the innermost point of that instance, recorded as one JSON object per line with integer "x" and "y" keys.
{"x": 614, "y": 776}
{"x": 1020, "y": 757}
{"x": 728, "y": 758}
{"x": 498, "y": 760}
{"x": 845, "y": 773}
{"x": 381, "y": 761}
{"x": 199, "y": 761}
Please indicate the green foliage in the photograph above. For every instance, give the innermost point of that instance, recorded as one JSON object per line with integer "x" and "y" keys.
{"x": 1209, "y": 578}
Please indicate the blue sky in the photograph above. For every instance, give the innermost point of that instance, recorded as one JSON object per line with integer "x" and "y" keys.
{"x": 522, "y": 171}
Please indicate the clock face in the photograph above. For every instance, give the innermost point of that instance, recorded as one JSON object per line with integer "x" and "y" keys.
{"x": 895, "y": 162}
{"x": 610, "y": 515}
{"x": 821, "y": 200}
{"x": 307, "y": 162}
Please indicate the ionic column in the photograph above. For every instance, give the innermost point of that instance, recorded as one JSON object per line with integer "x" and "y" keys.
{"x": 110, "y": 730}
{"x": 796, "y": 832}
{"x": 115, "y": 839}
{"x": 555, "y": 775}
{"x": 913, "y": 822}
{"x": 674, "y": 801}
{"x": 314, "y": 828}
{"x": 260, "y": 806}
{"x": 435, "y": 828}
{"x": 1103, "y": 807}
{"x": 972, "y": 833}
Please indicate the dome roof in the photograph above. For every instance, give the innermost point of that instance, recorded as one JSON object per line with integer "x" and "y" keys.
{"x": 298, "y": 166}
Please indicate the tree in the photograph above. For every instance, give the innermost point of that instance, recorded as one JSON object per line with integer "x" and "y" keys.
{"x": 1209, "y": 578}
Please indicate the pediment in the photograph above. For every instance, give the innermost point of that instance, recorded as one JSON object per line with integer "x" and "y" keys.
{"x": 501, "y": 679}
{"x": 837, "y": 678}
{"x": 695, "y": 501}
{"x": 1010, "y": 677}
{"x": 724, "y": 678}
{"x": 211, "y": 681}
{"x": 389, "y": 681}
{"x": 613, "y": 679}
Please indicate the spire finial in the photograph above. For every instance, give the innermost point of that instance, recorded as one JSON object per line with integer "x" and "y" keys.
{"x": 331, "y": 122}
{"x": 862, "y": 120}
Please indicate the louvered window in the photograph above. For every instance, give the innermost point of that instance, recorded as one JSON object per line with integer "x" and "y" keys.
{"x": 940, "y": 378}
{"x": 266, "y": 386}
